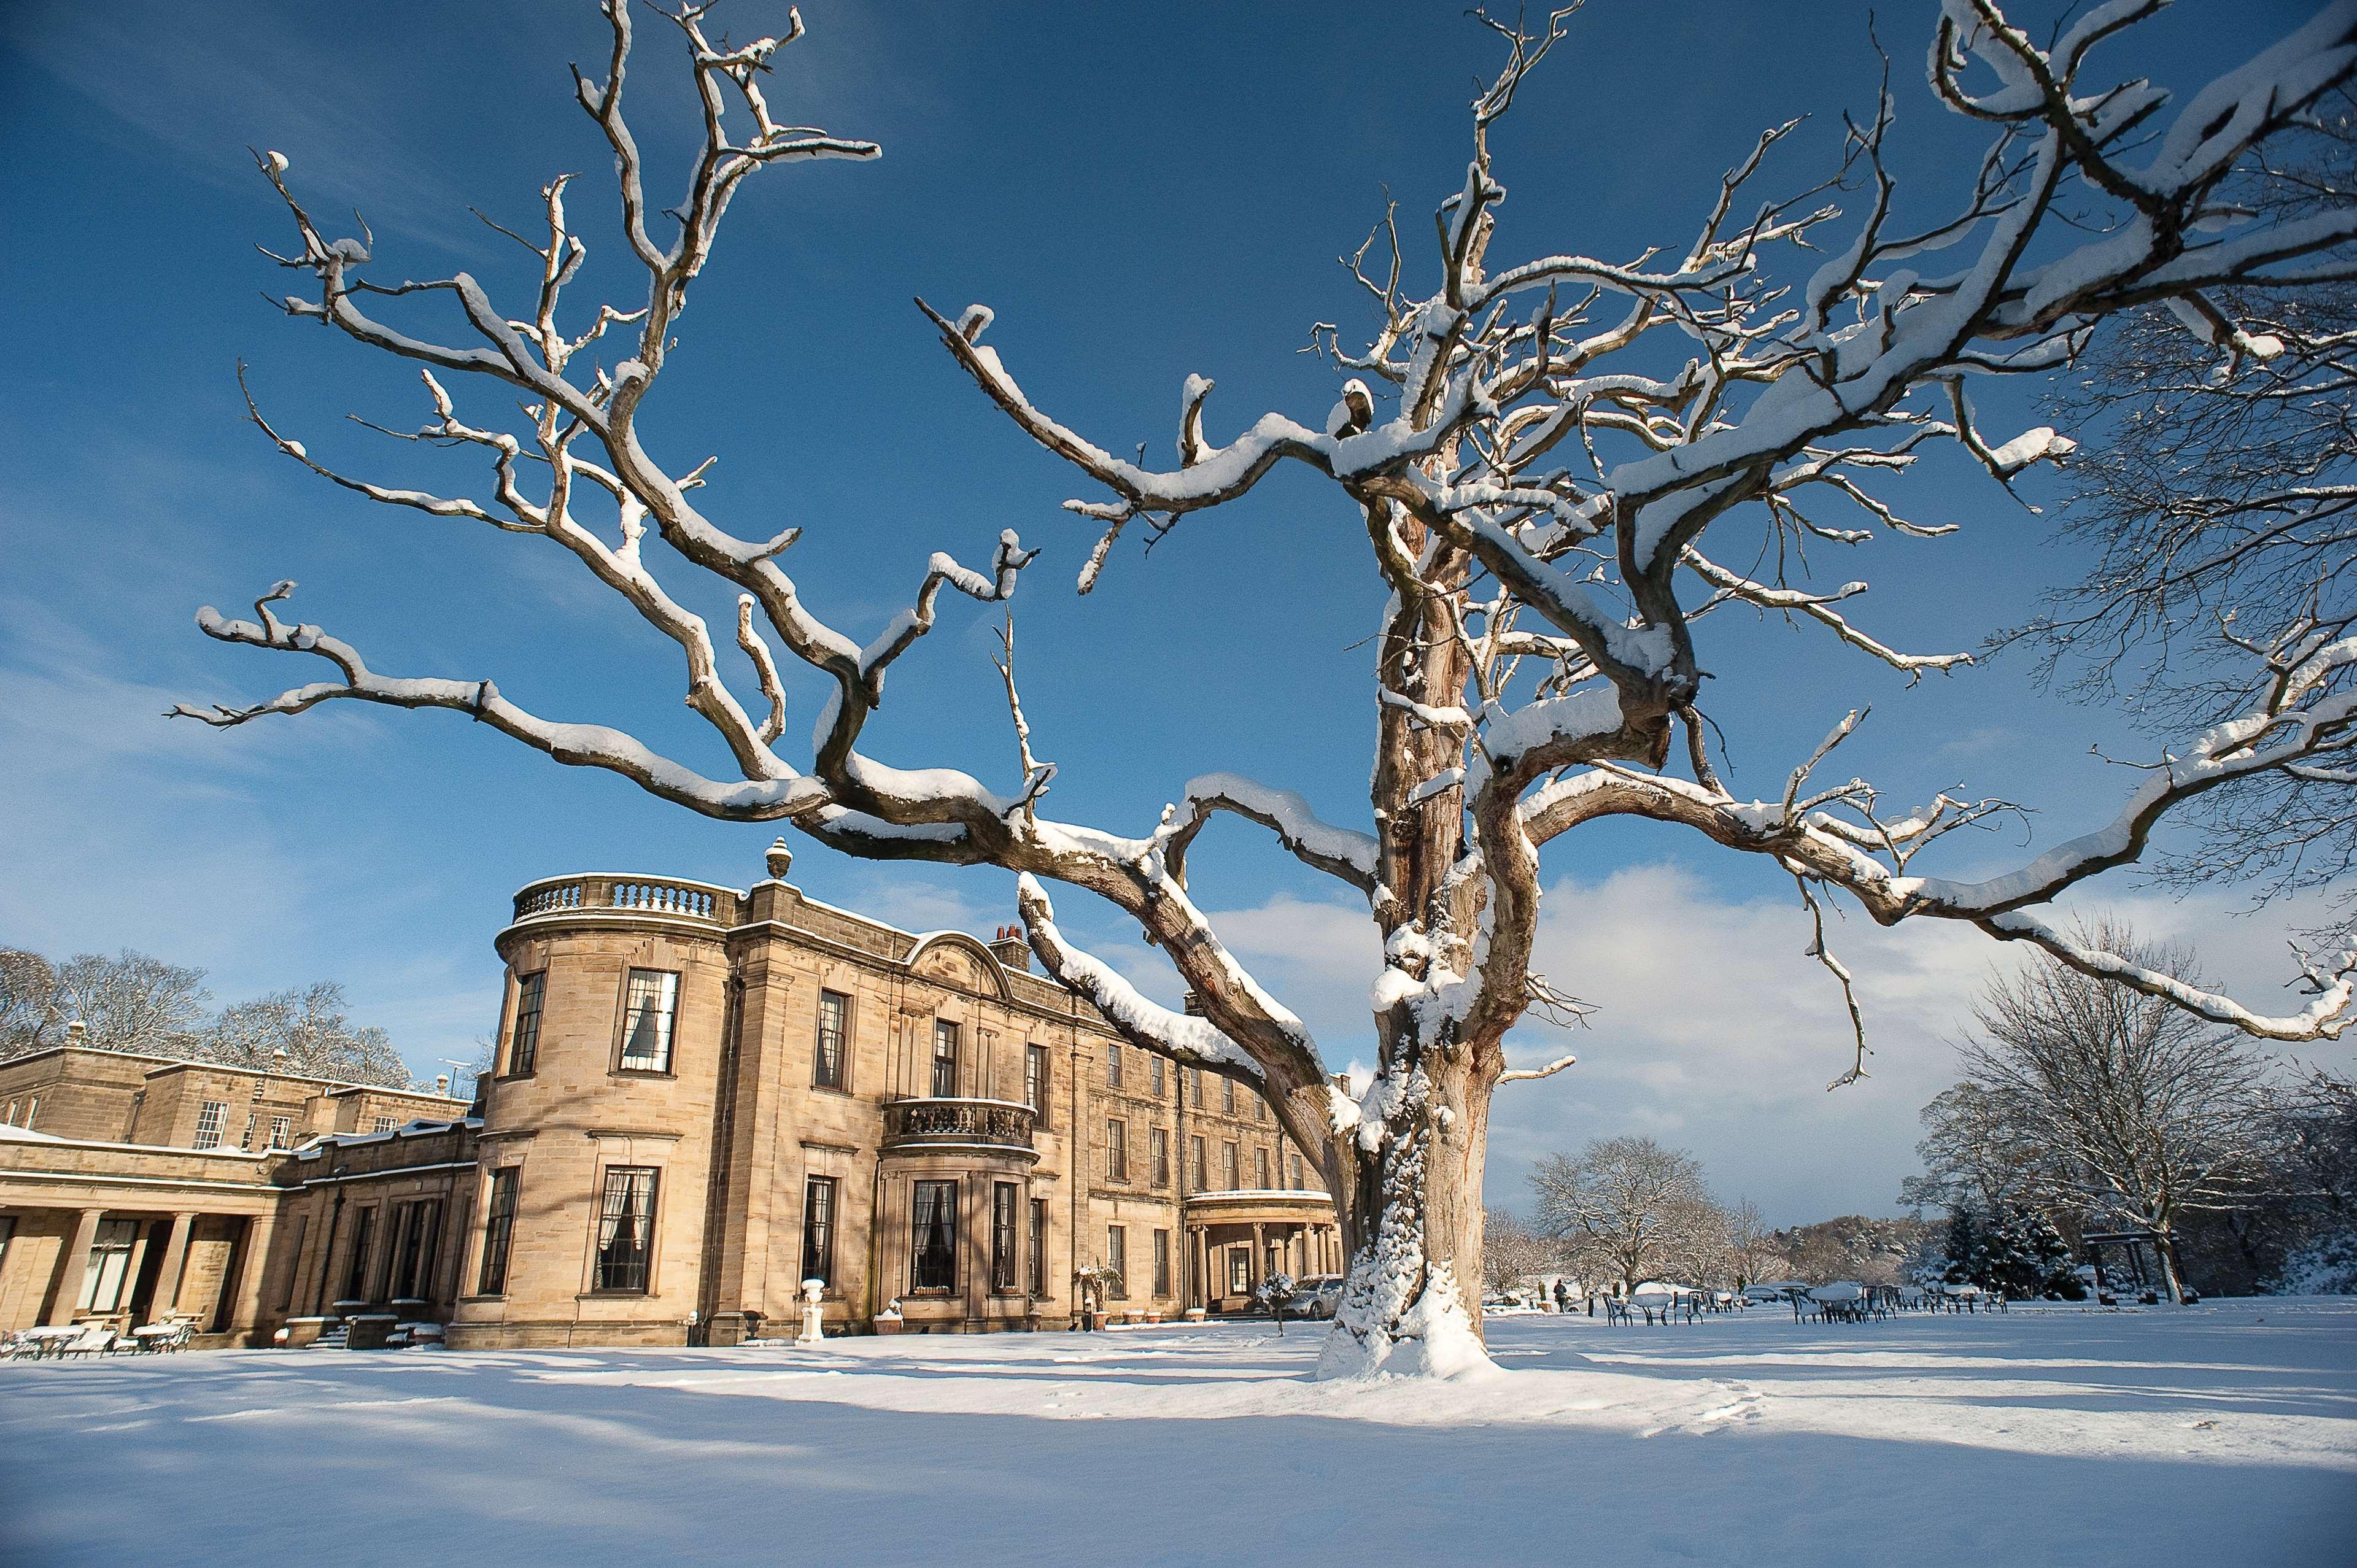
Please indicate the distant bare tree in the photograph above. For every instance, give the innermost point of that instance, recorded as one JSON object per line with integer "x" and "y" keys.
{"x": 1752, "y": 1254}
{"x": 2150, "y": 1113}
{"x": 1628, "y": 1203}
{"x": 1978, "y": 1155}
{"x": 28, "y": 987}
{"x": 130, "y": 1003}
{"x": 1513, "y": 1252}
{"x": 305, "y": 1031}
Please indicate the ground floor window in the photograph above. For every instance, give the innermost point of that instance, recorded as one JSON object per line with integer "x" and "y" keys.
{"x": 1003, "y": 1196}
{"x": 497, "y": 1229}
{"x": 1162, "y": 1263}
{"x": 1039, "y": 1246}
{"x": 932, "y": 1263}
{"x": 105, "y": 1276}
{"x": 302, "y": 1233}
{"x": 818, "y": 1229}
{"x": 356, "y": 1265}
{"x": 1117, "y": 1259}
{"x": 1239, "y": 1271}
{"x": 421, "y": 1236}
{"x": 626, "y": 1223}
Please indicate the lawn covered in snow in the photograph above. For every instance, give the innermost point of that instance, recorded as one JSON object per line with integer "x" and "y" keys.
{"x": 2224, "y": 1434}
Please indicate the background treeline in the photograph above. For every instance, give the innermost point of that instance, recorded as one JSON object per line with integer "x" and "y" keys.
{"x": 2088, "y": 1107}
{"x": 134, "y": 1003}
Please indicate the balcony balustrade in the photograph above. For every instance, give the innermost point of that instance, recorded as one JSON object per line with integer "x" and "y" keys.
{"x": 913, "y": 1126}
{"x": 588, "y": 893}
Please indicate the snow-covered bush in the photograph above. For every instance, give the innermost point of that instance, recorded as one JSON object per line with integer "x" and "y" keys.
{"x": 2327, "y": 1267}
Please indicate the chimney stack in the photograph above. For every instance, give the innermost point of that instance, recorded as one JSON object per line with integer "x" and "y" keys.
{"x": 1009, "y": 947}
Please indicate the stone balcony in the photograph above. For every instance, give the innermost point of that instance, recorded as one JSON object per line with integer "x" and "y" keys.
{"x": 612, "y": 895}
{"x": 930, "y": 1126}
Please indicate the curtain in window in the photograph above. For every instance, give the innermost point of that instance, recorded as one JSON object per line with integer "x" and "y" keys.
{"x": 827, "y": 1070}
{"x": 933, "y": 1231}
{"x": 647, "y": 1021}
{"x": 626, "y": 1227}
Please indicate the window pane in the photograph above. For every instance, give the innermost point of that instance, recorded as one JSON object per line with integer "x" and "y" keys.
{"x": 1035, "y": 1079}
{"x": 833, "y": 1014}
{"x": 1116, "y": 1152}
{"x": 945, "y": 1059}
{"x": 647, "y": 1021}
{"x": 1156, "y": 1071}
{"x": 1002, "y": 1236}
{"x": 281, "y": 1131}
{"x": 1112, "y": 1067}
{"x": 497, "y": 1229}
{"x": 1161, "y": 1142}
{"x": 1162, "y": 1263}
{"x": 211, "y": 1117}
{"x": 1235, "y": 1167}
{"x": 356, "y": 1265}
{"x": 110, "y": 1262}
{"x": 1195, "y": 1146}
{"x": 1260, "y": 1169}
{"x": 818, "y": 1229}
{"x": 524, "y": 1052}
{"x": 1037, "y": 1242}
{"x": 1228, "y": 1095}
{"x": 1117, "y": 1259}
{"x": 933, "y": 1236}
{"x": 626, "y": 1218}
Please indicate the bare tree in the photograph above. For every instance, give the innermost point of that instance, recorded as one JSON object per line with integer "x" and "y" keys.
{"x": 1978, "y": 1155}
{"x": 2148, "y": 1113}
{"x": 1512, "y": 1253}
{"x": 2220, "y": 501}
{"x": 130, "y": 1003}
{"x": 305, "y": 1031}
{"x": 1628, "y": 1203}
{"x": 28, "y": 988}
{"x": 1752, "y": 1254}
{"x": 1543, "y": 493}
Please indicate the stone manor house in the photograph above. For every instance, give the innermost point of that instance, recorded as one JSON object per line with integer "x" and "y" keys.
{"x": 700, "y": 1098}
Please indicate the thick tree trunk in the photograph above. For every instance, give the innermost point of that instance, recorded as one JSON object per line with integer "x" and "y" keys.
{"x": 1412, "y": 1304}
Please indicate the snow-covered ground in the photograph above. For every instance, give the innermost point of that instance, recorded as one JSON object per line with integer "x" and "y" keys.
{"x": 2220, "y": 1434}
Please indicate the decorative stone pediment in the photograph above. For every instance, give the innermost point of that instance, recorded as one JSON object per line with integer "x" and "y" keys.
{"x": 958, "y": 961}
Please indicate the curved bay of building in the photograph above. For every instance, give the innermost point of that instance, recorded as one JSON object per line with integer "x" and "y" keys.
{"x": 701, "y": 1098}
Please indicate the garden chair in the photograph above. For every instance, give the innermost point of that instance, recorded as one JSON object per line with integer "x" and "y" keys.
{"x": 95, "y": 1339}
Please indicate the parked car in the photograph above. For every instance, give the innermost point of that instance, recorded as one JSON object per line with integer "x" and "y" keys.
{"x": 1318, "y": 1296}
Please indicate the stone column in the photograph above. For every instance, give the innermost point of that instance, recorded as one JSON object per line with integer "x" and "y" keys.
{"x": 72, "y": 1264}
{"x": 1259, "y": 1255}
{"x": 253, "y": 1269}
{"x": 168, "y": 1278}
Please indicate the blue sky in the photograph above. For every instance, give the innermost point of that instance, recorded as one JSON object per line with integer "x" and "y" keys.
{"x": 1140, "y": 193}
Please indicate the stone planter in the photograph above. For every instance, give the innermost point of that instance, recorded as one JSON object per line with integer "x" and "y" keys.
{"x": 1153, "y": 1314}
{"x": 1092, "y": 1322}
{"x": 1193, "y": 1314}
{"x": 1134, "y": 1315}
{"x": 890, "y": 1326}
